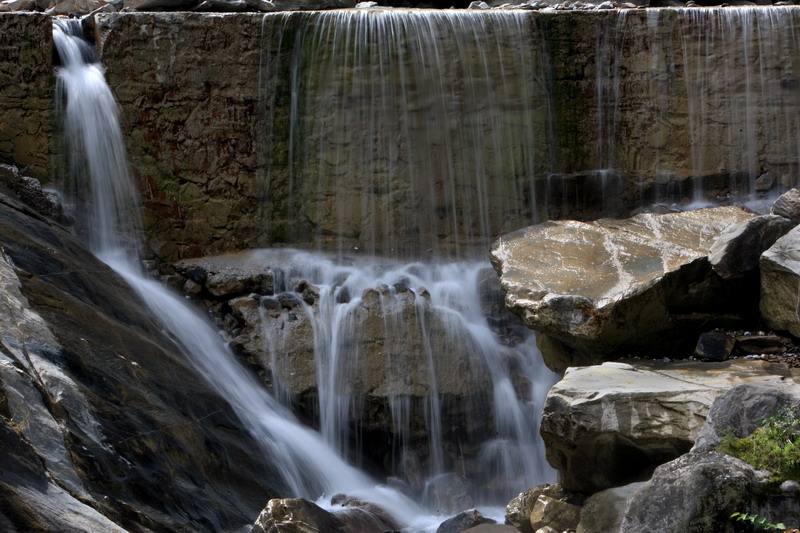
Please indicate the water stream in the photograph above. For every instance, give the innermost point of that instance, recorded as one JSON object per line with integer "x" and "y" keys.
{"x": 440, "y": 299}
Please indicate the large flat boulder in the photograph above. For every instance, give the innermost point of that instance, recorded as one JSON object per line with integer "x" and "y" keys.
{"x": 612, "y": 424}
{"x": 608, "y": 288}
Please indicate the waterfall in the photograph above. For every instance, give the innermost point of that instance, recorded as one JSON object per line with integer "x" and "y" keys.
{"x": 438, "y": 304}
{"x": 403, "y": 133}
{"x": 308, "y": 466}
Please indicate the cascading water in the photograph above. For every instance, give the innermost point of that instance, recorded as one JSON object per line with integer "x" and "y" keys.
{"x": 308, "y": 466}
{"x": 403, "y": 133}
{"x": 424, "y": 301}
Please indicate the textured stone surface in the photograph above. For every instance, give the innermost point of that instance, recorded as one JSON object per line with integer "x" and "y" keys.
{"x": 191, "y": 104}
{"x": 614, "y": 287}
{"x": 26, "y": 91}
{"x": 696, "y": 492}
{"x": 603, "y": 511}
{"x": 740, "y": 410}
{"x": 463, "y": 521}
{"x": 296, "y": 515}
{"x": 780, "y": 284}
{"x": 101, "y": 420}
{"x": 611, "y": 424}
{"x": 788, "y": 205}
{"x": 738, "y": 249}
{"x": 555, "y": 513}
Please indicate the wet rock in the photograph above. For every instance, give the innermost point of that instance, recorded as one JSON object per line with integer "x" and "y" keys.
{"x": 738, "y": 249}
{"x": 766, "y": 182}
{"x": 447, "y": 493}
{"x": 714, "y": 346}
{"x": 613, "y": 287}
{"x": 610, "y": 425}
{"x": 463, "y": 521}
{"x": 29, "y": 191}
{"x": 603, "y": 511}
{"x": 788, "y": 205}
{"x": 100, "y": 410}
{"x": 554, "y": 513}
{"x": 296, "y": 515}
{"x": 364, "y": 516}
{"x": 780, "y": 279}
{"x": 228, "y": 276}
{"x": 696, "y": 492}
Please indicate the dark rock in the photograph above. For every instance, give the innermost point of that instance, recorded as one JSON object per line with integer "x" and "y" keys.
{"x": 369, "y": 515}
{"x": 309, "y": 292}
{"x": 766, "y": 182}
{"x": 760, "y": 344}
{"x": 463, "y": 521}
{"x": 29, "y": 191}
{"x": 196, "y": 274}
{"x": 738, "y": 248}
{"x": 715, "y": 346}
{"x": 153, "y": 447}
{"x": 788, "y": 205}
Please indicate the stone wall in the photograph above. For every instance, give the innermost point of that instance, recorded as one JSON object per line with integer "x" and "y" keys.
{"x": 26, "y": 91}
{"x": 632, "y": 106}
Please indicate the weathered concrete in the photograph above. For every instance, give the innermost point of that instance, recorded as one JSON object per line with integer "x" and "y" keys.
{"x": 624, "y": 90}
{"x": 26, "y": 91}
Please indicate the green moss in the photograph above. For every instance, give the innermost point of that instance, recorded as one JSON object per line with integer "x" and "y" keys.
{"x": 774, "y": 446}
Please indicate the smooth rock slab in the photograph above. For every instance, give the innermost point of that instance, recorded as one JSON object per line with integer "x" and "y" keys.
{"x": 612, "y": 424}
{"x": 614, "y": 287}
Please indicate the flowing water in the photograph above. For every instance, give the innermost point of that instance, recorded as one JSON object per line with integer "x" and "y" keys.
{"x": 441, "y": 299}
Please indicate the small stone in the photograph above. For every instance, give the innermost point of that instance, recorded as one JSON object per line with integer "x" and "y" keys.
{"x": 714, "y": 346}
{"x": 790, "y": 485}
{"x": 365, "y": 5}
{"x": 192, "y": 287}
{"x": 478, "y": 5}
{"x": 765, "y": 182}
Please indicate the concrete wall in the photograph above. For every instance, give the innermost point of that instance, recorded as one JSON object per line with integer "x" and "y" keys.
{"x": 26, "y": 91}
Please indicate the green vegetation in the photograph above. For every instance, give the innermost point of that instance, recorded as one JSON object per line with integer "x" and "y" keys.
{"x": 774, "y": 446}
{"x": 758, "y": 522}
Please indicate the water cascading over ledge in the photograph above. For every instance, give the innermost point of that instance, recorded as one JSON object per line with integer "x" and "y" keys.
{"x": 626, "y": 107}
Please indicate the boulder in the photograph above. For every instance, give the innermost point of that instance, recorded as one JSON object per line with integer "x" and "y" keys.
{"x": 741, "y": 409}
{"x": 788, "y": 205}
{"x": 296, "y": 515}
{"x": 226, "y": 276}
{"x": 738, "y": 249}
{"x": 612, "y": 424}
{"x": 603, "y": 511}
{"x": 780, "y": 284}
{"x": 613, "y": 287}
{"x": 551, "y": 512}
{"x": 463, "y": 521}
{"x": 697, "y": 492}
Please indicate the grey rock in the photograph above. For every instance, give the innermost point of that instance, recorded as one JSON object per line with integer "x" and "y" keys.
{"x": 780, "y": 279}
{"x": 518, "y": 510}
{"x": 738, "y": 249}
{"x": 788, "y": 205}
{"x": 610, "y": 425}
{"x": 478, "y": 5}
{"x": 741, "y": 409}
{"x": 603, "y": 511}
{"x": 463, "y": 521}
{"x": 696, "y": 492}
